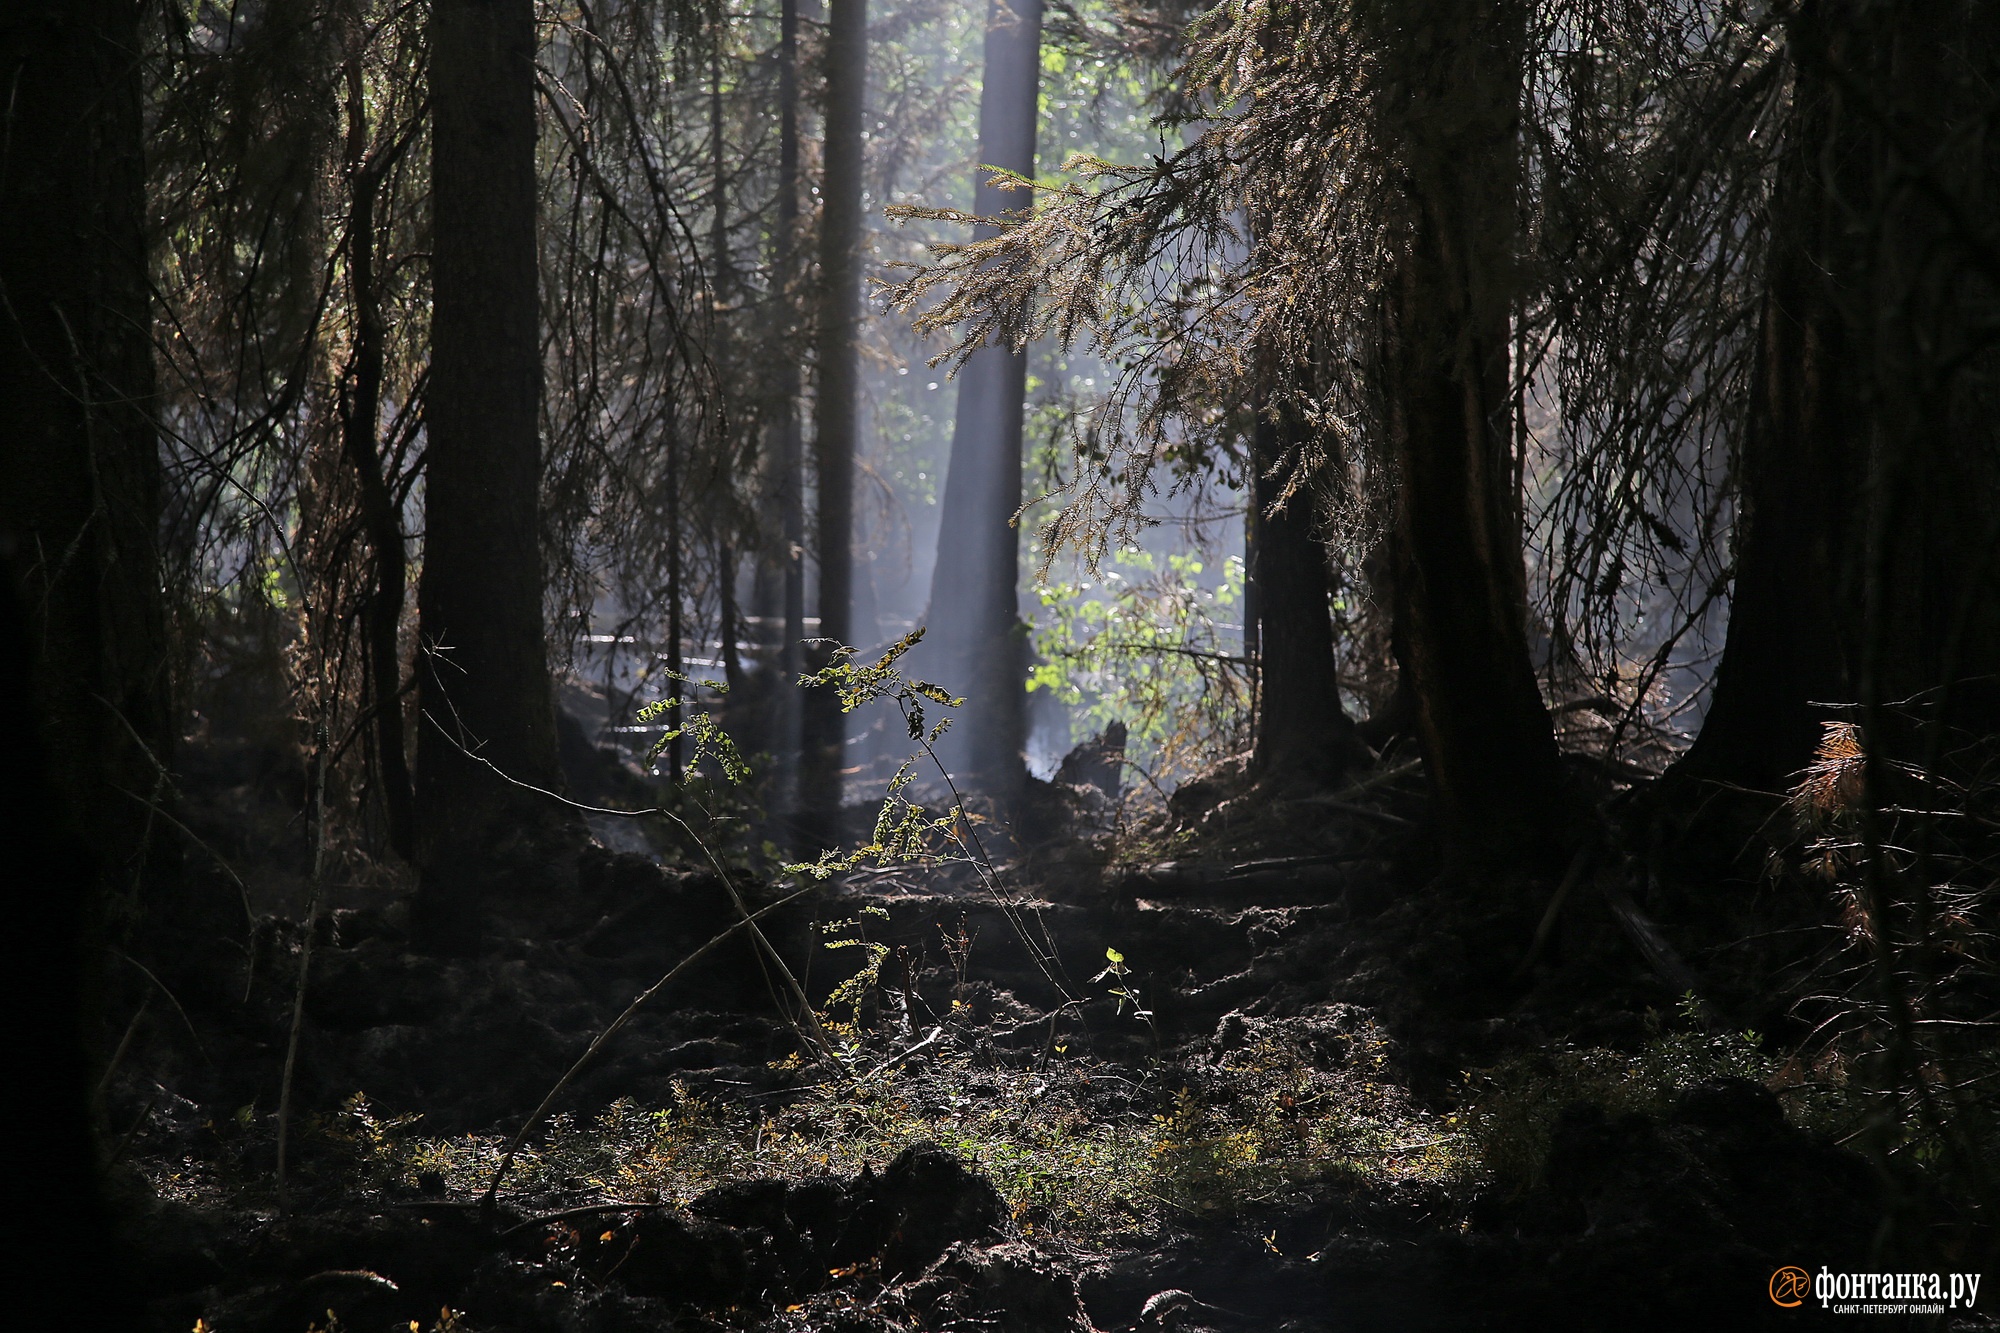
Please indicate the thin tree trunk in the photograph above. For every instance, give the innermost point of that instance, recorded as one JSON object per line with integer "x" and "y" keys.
{"x": 975, "y": 616}
{"x": 834, "y": 423}
{"x": 360, "y": 415}
{"x": 782, "y": 592}
{"x": 484, "y": 681}
{"x": 724, "y": 281}
{"x": 1253, "y": 595}
{"x": 1302, "y": 730}
{"x": 676, "y": 667}
{"x": 727, "y": 613}
{"x": 79, "y": 454}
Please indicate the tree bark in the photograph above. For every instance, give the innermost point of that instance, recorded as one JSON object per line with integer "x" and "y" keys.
{"x": 977, "y": 641}
{"x": 79, "y": 453}
{"x": 791, "y": 445}
{"x": 484, "y": 681}
{"x": 84, "y": 700}
{"x": 1781, "y": 650}
{"x": 382, "y": 616}
{"x": 779, "y": 592}
{"x": 679, "y": 697}
{"x": 1452, "y": 117}
{"x": 724, "y": 281}
{"x": 1866, "y": 567}
{"x": 1303, "y": 733}
{"x": 834, "y": 424}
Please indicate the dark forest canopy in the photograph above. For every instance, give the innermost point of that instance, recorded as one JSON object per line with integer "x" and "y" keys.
{"x": 1455, "y": 544}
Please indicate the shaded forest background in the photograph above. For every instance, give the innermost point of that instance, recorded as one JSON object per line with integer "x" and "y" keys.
{"x": 1519, "y": 480}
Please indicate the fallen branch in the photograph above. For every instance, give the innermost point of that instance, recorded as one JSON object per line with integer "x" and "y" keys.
{"x": 1352, "y": 808}
{"x": 617, "y": 1024}
{"x": 1640, "y": 929}
{"x": 587, "y": 1210}
{"x": 931, "y": 1039}
{"x": 1578, "y": 865}
{"x": 1296, "y": 862}
{"x": 817, "y": 1037}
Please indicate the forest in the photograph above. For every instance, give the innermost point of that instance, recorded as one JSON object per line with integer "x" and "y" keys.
{"x": 1021, "y": 666}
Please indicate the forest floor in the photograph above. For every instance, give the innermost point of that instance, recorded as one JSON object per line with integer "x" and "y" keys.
{"x": 1256, "y": 1063}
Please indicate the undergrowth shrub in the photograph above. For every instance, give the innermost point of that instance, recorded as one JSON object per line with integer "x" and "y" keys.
{"x": 1901, "y": 830}
{"x": 1511, "y": 1108}
{"x": 1077, "y": 1149}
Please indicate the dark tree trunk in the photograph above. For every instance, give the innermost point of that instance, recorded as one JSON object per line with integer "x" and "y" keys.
{"x": 79, "y": 455}
{"x": 1781, "y": 649}
{"x": 724, "y": 280}
{"x": 977, "y": 642}
{"x": 382, "y": 616}
{"x": 1866, "y": 569}
{"x": 791, "y": 444}
{"x": 676, "y": 629}
{"x": 484, "y": 680}
{"x": 834, "y": 423}
{"x": 1461, "y": 602}
{"x": 1928, "y": 645}
{"x": 53, "y": 994}
{"x": 83, "y": 682}
{"x": 1302, "y": 730}
{"x": 778, "y": 594}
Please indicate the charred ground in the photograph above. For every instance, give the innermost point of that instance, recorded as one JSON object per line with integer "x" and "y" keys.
{"x": 1259, "y": 1061}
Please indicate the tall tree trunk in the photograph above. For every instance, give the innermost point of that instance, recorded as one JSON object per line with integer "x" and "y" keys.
{"x": 79, "y": 455}
{"x": 1781, "y": 650}
{"x": 1452, "y": 117}
{"x": 382, "y": 616}
{"x": 834, "y": 423}
{"x": 1868, "y": 555}
{"x": 484, "y": 684}
{"x": 1931, "y": 591}
{"x": 975, "y": 617}
{"x": 82, "y": 640}
{"x": 1303, "y": 733}
{"x": 679, "y": 697}
{"x": 723, "y": 278}
{"x": 1253, "y": 594}
{"x": 52, "y": 993}
{"x": 779, "y": 595}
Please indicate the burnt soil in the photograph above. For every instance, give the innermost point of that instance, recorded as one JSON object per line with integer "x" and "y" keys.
{"x": 1248, "y": 918}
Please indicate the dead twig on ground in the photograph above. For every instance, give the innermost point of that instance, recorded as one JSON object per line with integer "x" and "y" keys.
{"x": 617, "y": 1025}
{"x": 809, "y": 1029}
{"x": 1578, "y": 866}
